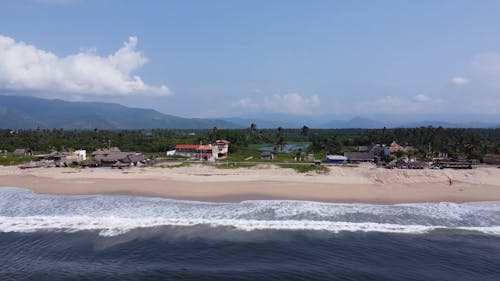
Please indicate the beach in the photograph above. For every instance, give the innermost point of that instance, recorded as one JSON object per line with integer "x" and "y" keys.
{"x": 208, "y": 183}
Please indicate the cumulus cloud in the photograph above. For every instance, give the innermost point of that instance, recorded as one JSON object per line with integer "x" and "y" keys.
{"x": 24, "y": 67}
{"x": 421, "y": 98}
{"x": 288, "y": 103}
{"x": 460, "y": 81}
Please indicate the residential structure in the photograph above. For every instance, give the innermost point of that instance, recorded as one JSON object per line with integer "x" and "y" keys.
{"x": 23, "y": 151}
{"x": 209, "y": 152}
{"x": 113, "y": 157}
{"x": 358, "y": 157}
{"x": 396, "y": 147}
{"x": 491, "y": 159}
{"x": 267, "y": 155}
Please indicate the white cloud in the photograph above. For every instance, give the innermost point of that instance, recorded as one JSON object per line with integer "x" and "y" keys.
{"x": 288, "y": 103}
{"x": 421, "y": 98}
{"x": 460, "y": 81}
{"x": 24, "y": 67}
{"x": 247, "y": 103}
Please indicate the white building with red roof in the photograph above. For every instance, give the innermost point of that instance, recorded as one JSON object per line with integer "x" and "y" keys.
{"x": 210, "y": 152}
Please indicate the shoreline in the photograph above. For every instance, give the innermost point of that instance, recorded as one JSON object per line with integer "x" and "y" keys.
{"x": 203, "y": 183}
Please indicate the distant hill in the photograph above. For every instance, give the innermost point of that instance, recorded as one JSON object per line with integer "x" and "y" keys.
{"x": 450, "y": 125}
{"x": 19, "y": 112}
{"x": 357, "y": 122}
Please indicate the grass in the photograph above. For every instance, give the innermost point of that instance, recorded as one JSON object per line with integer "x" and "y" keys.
{"x": 253, "y": 151}
{"x": 235, "y": 165}
{"x": 11, "y": 159}
{"x": 304, "y": 168}
{"x": 180, "y": 165}
{"x": 74, "y": 165}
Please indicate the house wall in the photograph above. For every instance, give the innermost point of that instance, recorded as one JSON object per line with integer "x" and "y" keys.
{"x": 491, "y": 160}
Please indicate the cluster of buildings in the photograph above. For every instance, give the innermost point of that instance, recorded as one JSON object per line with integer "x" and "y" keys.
{"x": 373, "y": 154}
{"x": 115, "y": 158}
{"x": 380, "y": 155}
{"x": 106, "y": 157}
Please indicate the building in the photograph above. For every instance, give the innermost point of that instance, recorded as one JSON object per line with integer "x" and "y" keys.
{"x": 358, "y": 157}
{"x": 222, "y": 148}
{"x": 113, "y": 157}
{"x": 23, "y": 151}
{"x": 396, "y": 147}
{"x": 219, "y": 150}
{"x": 199, "y": 151}
{"x": 267, "y": 155}
{"x": 491, "y": 159}
{"x": 336, "y": 159}
{"x": 363, "y": 148}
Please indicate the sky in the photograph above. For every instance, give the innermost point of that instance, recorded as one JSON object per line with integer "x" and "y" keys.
{"x": 232, "y": 58}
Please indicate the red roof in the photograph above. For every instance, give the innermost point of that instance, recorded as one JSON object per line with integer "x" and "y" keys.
{"x": 205, "y": 147}
{"x": 194, "y": 146}
{"x": 491, "y": 155}
{"x": 222, "y": 141}
{"x": 187, "y": 146}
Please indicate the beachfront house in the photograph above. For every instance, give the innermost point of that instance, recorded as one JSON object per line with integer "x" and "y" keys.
{"x": 23, "y": 151}
{"x": 222, "y": 148}
{"x": 491, "y": 158}
{"x": 209, "y": 152}
{"x": 359, "y": 157}
{"x": 113, "y": 157}
{"x": 396, "y": 147}
{"x": 267, "y": 155}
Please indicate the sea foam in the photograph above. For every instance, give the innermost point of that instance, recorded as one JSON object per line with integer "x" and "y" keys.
{"x": 23, "y": 211}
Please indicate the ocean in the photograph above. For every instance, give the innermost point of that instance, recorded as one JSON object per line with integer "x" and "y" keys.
{"x": 118, "y": 237}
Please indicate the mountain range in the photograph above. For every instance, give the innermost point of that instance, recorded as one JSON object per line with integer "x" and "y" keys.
{"x": 19, "y": 112}
{"x": 23, "y": 112}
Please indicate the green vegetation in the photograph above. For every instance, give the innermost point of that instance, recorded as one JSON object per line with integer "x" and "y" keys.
{"x": 235, "y": 165}
{"x": 74, "y": 165}
{"x": 11, "y": 159}
{"x": 429, "y": 141}
{"x": 304, "y": 168}
{"x": 180, "y": 165}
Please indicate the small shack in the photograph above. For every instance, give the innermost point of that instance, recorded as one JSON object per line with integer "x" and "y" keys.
{"x": 336, "y": 159}
{"x": 267, "y": 155}
{"x": 23, "y": 151}
{"x": 359, "y": 157}
{"x": 493, "y": 159}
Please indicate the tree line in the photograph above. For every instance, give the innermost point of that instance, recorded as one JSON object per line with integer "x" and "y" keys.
{"x": 469, "y": 143}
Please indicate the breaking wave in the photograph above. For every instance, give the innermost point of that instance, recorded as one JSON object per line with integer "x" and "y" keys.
{"x": 110, "y": 215}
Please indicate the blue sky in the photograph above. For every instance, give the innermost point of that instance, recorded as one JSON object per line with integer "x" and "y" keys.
{"x": 228, "y": 58}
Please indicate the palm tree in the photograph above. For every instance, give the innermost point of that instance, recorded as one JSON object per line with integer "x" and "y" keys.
{"x": 213, "y": 134}
{"x": 252, "y": 131}
{"x": 280, "y": 138}
{"x": 304, "y": 132}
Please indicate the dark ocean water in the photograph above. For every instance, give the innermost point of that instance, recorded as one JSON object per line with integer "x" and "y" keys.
{"x": 45, "y": 237}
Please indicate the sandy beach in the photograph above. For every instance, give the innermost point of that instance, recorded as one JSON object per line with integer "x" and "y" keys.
{"x": 206, "y": 183}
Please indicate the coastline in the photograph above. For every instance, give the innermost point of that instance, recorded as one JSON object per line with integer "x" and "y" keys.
{"x": 265, "y": 182}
